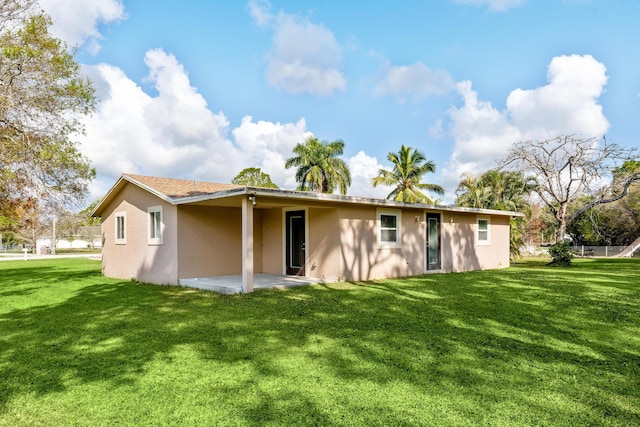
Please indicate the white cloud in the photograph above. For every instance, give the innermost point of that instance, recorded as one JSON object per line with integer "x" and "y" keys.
{"x": 268, "y": 145}
{"x": 77, "y": 21}
{"x": 567, "y": 105}
{"x": 414, "y": 81}
{"x": 260, "y": 12}
{"x": 297, "y": 77}
{"x": 494, "y": 5}
{"x": 179, "y": 115}
{"x": 304, "y": 58}
{"x": 363, "y": 169}
{"x": 174, "y": 134}
{"x": 481, "y": 135}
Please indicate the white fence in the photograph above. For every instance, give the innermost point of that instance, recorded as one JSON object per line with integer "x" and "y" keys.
{"x": 13, "y": 248}
{"x": 580, "y": 251}
{"x": 599, "y": 251}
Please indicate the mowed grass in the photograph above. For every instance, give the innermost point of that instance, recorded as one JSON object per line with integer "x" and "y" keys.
{"x": 530, "y": 345}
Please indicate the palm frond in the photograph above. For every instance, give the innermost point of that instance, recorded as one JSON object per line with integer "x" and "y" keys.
{"x": 409, "y": 166}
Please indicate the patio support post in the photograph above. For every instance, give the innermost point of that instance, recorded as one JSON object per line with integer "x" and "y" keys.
{"x": 247, "y": 245}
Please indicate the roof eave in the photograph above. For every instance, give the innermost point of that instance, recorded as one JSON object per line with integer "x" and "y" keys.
{"x": 310, "y": 196}
{"x": 107, "y": 197}
{"x": 287, "y": 194}
{"x": 118, "y": 186}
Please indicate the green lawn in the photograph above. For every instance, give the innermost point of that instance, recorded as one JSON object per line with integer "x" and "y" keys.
{"x": 530, "y": 345}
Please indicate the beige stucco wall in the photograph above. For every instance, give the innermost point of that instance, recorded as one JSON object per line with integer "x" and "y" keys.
{"x": 342, "y": 242}
{"x": 272, "y": 241}
{"x": 323, "y": 245}
{"x": 137, "y": 258}
{"x": 495, "y": 255}
{"x": 210, "y": 241}
{"x": 461, "y": 252}
{"x": 363, "y": 259}
{"x": 361, "y": 256}
{"x": 414, "y": 241}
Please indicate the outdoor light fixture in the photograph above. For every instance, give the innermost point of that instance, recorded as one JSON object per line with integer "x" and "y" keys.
{"x": 252, "y": 197}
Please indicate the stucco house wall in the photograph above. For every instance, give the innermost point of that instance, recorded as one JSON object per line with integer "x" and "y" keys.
{"x": 363, "y": 258}
{"x": 460, "y": 249}
{"x": 414, "y": 229}
{"x": 272, "y": 241}
{"x": 137, "y": 258}
{"x": 494, "y": 255}
{"x": 323, "y": 258}
{"x": 203, "y": 222}
{"x": 208, "y": 243}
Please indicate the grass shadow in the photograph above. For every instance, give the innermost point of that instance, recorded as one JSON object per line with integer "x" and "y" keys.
{"x": 508, "y": 345}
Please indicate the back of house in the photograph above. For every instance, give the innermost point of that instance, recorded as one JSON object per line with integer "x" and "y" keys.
{"x": 161, "y": 230}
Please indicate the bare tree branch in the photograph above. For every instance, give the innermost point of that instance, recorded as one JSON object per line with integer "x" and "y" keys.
{"x": 625, "y": 190}
{"x": 570, "y": 167}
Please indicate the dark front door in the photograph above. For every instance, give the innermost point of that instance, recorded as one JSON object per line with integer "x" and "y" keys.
{"x": 295, "y": 245}
{"x": 433, "y": 241}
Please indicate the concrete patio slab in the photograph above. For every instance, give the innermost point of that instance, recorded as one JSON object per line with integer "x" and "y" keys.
{"x": 233, "y": 284}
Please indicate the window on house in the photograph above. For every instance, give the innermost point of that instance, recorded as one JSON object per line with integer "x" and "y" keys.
{"x": 121, "y": 237}
{"x": 155, "y": 225}
{"x": 483, "y": 235}
{"x": 389, "y": 229}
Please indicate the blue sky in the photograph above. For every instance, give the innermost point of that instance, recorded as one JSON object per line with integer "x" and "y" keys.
{"x": 202, "y": 89}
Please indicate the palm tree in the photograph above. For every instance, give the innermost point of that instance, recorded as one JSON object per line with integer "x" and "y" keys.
{"x": 318, "y": 167}
{"x": 502, "y": 190}
{"x": 495, "y": 189}
{"x": 409, "y": 165}
{"x": 472, "y": 192}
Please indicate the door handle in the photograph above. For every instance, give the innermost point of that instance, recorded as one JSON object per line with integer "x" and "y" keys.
{"x": 303, "y": 246}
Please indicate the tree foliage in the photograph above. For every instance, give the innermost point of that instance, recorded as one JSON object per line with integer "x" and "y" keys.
{"x": 561, "y": 254}
{"x": 616, "y": 223}
{"x": 409, "y": 167}
{"x": 502, "y": 190}
{"x": 495, "y": 189}
{"x": 569, "y": 168}
{"x": 253, "y": 177}
{"x": 43, "y": 96}
{"x": 318, "y": 167}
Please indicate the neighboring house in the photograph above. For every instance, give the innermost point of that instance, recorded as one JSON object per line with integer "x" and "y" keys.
{"x": 85, "y": 237}
{"x": 160, "y": 230}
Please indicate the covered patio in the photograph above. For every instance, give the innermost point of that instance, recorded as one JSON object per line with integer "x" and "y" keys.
{"x": 232, "y": 284}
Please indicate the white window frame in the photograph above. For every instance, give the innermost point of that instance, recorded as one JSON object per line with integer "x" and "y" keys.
{"x": 153, "y": 238}
{"x": 479, "y": 240}
{"x": 379, "y": 229}
{"x": 120, "y": 240}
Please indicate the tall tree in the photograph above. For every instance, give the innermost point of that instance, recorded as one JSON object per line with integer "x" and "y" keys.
{"x": 409, "y": 167}
{"x": 253, "y": 177}
{"x": 495, "y": 189}
{"x": 318, "y": 167}
{"x": 472, "y": 191}
{"x": 502, "y": 190}
{"x": 616, "y": 223}
{"x": 568, "y": 168}
{"x": 42, "y": 99}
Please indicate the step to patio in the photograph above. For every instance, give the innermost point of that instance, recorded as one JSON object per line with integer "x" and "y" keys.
{"x": 209, "y": 285}
{"x": 232, "y": 284}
